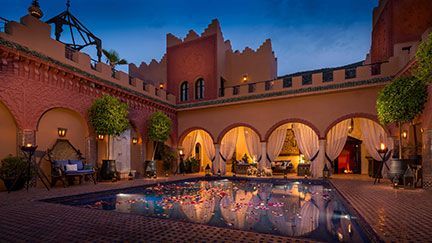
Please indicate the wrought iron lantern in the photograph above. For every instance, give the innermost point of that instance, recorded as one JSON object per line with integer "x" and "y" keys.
{"x": 326, "y": 172}
{"x": 100, "y": 137}
{"x": 134, "y": 140}
{"x": 219, "y": 173}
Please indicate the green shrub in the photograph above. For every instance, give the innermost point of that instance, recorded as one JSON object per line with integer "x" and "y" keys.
{"x": 11, "y": 166}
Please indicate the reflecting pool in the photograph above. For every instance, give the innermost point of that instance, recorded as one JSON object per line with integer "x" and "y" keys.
{"x": 288, "y": 208}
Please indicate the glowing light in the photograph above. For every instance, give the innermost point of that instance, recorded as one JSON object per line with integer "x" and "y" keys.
{"x": 382, "y": 146}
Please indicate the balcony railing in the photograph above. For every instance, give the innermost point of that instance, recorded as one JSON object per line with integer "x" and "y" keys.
{"x": 69, "y": 52}
{"x": 251, "y": 88}
{"x": 269, "y": 85}
{"x": 236, "y": 90}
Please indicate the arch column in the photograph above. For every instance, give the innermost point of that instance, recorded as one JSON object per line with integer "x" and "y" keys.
{"x": 427, "y": 159}
{"x": 263, "y": 162}
{"x": 218, "y": 160}
{"x": 320, "y": 159}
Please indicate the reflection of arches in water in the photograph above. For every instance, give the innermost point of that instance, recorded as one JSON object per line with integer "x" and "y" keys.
{"x": 200, "y": 212}
{"x": 294, "y": 218}
{"x": 234, "y": 208}
{"x": 339, "y": 223}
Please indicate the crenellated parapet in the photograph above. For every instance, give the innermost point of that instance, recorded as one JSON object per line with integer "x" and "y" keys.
{"x": 153, "y": 73}
{"x": 212, "y": 29}
{"x": 259, "y": 64}
{"x": 33, "y": 37}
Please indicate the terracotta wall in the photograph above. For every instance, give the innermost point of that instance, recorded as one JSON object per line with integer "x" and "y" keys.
{"x": 319, "y": 110}
{"x": 258, "y": 65}
{"x": 398, "y": 21}
{"x": 190, "y": 61}
{"x": 8, "y": 133}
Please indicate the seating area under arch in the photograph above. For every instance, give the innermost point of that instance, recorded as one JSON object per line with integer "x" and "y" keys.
{"x": 199, "y": 144}
{"x": 352, "y": 145}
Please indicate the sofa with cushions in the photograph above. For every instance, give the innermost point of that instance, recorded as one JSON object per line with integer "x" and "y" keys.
{"x": 281, "y": 167}
{"x": 68, "y": 170}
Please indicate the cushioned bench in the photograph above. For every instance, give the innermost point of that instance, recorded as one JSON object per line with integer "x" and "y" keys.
{"x": 67, "y": 170}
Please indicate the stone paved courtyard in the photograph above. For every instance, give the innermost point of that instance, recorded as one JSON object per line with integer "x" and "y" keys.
{"x": 396, "y": 215}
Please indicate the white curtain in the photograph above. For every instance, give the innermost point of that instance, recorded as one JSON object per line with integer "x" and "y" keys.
{"x": 336, "y": 139}
{"x": 373, "y": 136}
{"x": 228, "y": 145}
{"x": 276, "y": 142}
{"x": 253, "y": 144}
{"x": 189, "y": 143}
{"x": 308, "y": 144}
{"x": 208, "y": 144}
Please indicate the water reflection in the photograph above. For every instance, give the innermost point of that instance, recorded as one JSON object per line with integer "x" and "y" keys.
{"x": 292, "y": 209}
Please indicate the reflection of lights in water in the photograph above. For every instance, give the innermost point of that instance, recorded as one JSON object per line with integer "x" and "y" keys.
{"x": 349, "y": 229}
{"x": 340, "y": 236}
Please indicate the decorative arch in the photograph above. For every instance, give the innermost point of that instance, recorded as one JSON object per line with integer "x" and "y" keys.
{"x": 83, "y": 117}
{"x": 15, "y": 115}
{"x": 291, "y": 120}
{"x": 189, "y": 130}
{"x": 355, "y": 115}
{"x": 227, "y": 129}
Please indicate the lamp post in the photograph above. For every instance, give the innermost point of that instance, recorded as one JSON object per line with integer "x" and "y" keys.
{"x": 383, "y": 153}
{"x": 182, "y": 165}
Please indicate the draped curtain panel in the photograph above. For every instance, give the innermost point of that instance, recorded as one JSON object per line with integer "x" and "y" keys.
{"x": 189, "y": 143}
{"x": 276, "y": 142}
{"x": 308, "y": 144}
{"x": 336, "y": 139}
{"x": 208, "y": 144}
{"x": 253, "y": 144}
{"x": 228, "y": 145}
{"x": 373, "y": 136}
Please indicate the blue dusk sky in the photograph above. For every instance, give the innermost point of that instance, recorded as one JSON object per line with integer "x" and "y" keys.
{"x": 306, "y": 34}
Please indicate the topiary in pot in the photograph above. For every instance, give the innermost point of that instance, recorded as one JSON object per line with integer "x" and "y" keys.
{"x": 11, "y": 168}
{"x": 108, "y": 116}
{"x": 159, "y": 129}
{"x": 401, "y": 101}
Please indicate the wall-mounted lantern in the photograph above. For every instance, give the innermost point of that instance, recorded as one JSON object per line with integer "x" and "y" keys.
{"x": 245, "y": 78}
{"x": 61, "y": 132}
{"x": 100, "y": 137}
{"x": 404, "y": 134}
{"x": 134, "y": 140}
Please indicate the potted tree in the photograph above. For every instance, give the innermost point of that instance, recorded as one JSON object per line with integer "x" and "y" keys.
{"x": 159, "y": 129}
{"x": 108, "y": 116}
{"x": 11, "y": 169}
{"x": 398, "y": 103}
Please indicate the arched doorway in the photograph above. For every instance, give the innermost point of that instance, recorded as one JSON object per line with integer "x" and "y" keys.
{"x": 293, "y": 147}
{"x": 199, "y": 144}
{"x": 8, "y": 131}
{"x": 240, "y": 150}
{"x": 51, "y": 121}
{"x": 352, "y": 144}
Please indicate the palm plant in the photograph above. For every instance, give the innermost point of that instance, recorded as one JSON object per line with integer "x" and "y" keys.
{"x": 113, "y": 58}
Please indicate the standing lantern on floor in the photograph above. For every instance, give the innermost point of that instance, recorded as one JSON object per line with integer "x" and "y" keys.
{"x": 326, "y": 172}
{"x": 384, "y": 153}
{"x": 207, "y": 170}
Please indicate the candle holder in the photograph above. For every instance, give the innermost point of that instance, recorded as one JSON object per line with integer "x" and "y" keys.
{"x": 29, "y": 150}
{"x": 384, "y": 154}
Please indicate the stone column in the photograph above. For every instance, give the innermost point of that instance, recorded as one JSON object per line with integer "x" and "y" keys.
{"x": 263, "y": 163}
{"x": 427, "y": 159}
{"x": 320, "y": 160}
{"x": 218, "y": 160}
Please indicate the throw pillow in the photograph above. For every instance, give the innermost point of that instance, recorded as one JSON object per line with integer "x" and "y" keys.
{"x": 71, "y": 167}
